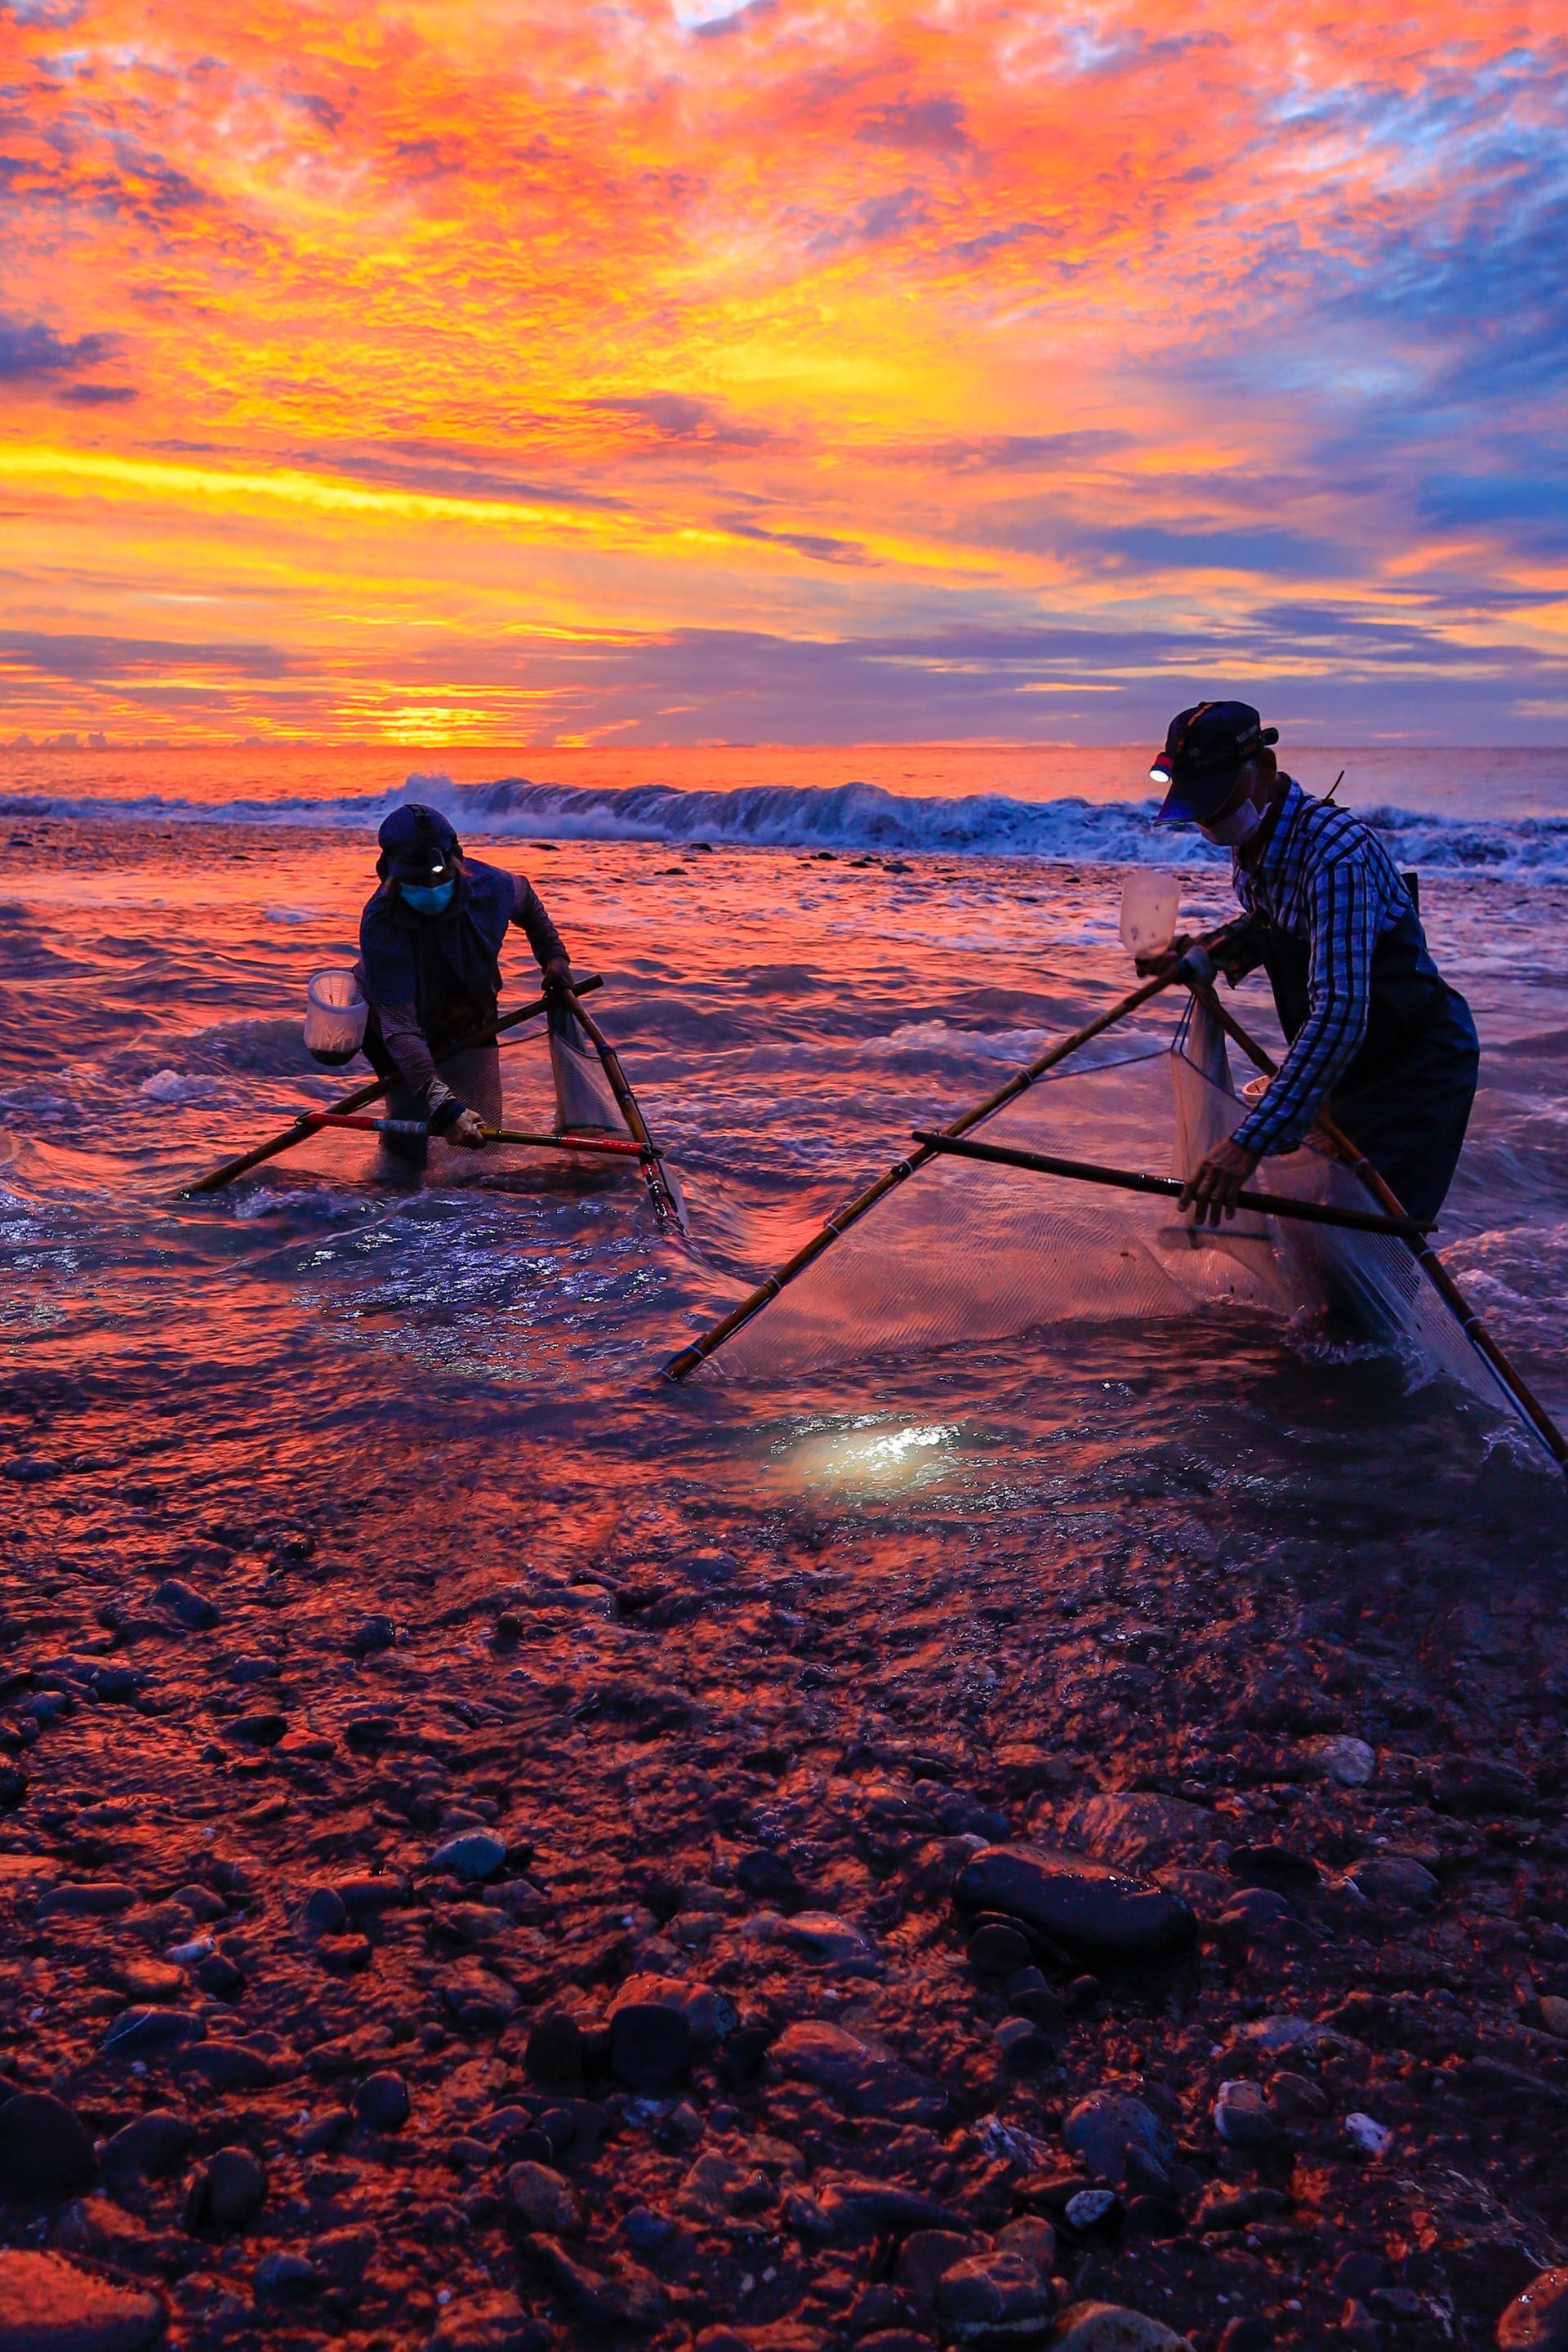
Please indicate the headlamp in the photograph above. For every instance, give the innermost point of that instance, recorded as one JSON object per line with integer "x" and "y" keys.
{"x": 1160, "y": 773}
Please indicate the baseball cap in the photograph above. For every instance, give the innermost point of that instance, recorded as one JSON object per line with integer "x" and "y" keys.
{"x": 1204, "y": 747}
{"x": 417, "y": 843}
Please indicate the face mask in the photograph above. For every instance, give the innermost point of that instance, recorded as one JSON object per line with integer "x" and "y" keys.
{"x": 1231, "y": 831}
{"x": 434, "y": 899}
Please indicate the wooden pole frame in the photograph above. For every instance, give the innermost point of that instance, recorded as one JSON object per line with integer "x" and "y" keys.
{"x": 216, "y": 1178}
{"x": 681, "y": 1366}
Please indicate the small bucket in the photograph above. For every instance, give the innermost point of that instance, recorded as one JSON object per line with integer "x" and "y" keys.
{"x": 1150, "y": 903}
{"x": 336, "y": 1017}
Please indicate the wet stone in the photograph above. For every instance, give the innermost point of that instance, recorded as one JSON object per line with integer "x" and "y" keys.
{"x": 1277, "y": 1867}
{"x": 1090, "y": 2207}
{"x": 1468, "y": 1785}
{"x": 768, "y": 1878}
{"x": 1023, "y": 2049}
{"x": 867, "y": 2081}
{"x": 226, "y": 2192}
{"x": 1109, "y": 2127}
{"x": 1349, "y": 1763}
{"x": 188, "y": 1607}
{"x": 343, "y": 1956}
{"x": 1396, "y": 1880}
{"x": 12, "y": 1787}
{"x": 924, "y": 2256}
{"x": 488, "y": 2323}
{"x": 834, "y": 1943}
{"x": 473, "y": 1856}
{"x": 1112, "y": 2327}
{"x": 323, "y": 1912}
{"x": 1537, "y": 2320}
{"x": 1091, "y": 1909}
{"x": 47, "y": 2304}
{"x": 380, "y": 2103}
{"x": 146, "y": 2032}
{"x": 229, "y": 2066}
{"x": 995, "y": 2299}
{"x": 1241, "y": 2117}
{"x": 651, "y": 2047}
{"x": 476, "y": 1998}
{"x": 554, "y": 2052}
{"x": 96, "y": 1898}
{"x": 541, "y": 2199}
{"x": 45, "y": 2151}
{"x": 149, "y": 2149}
{"x": 996, "y": 1950}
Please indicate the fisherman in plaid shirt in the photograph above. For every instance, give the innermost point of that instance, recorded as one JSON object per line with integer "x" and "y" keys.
{"x": 1376, "y": 1035}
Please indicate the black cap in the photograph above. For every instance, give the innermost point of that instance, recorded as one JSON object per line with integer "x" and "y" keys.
{"x": 1205, "y": 748}
{"x": 417, "y": 844}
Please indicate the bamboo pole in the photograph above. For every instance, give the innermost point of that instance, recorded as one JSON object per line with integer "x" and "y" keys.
{"x": 1427, "y": 1257}
{"x": 686, "y": 1362}
{"x": 216, "y": 1178}
{"x": 665, "y": 1206}
{"x": 611, "y": 1145}
{"x": 1170, "y": 1188}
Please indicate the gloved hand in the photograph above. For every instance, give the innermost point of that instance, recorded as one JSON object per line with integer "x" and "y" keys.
{"x": 557, "y": 975}
{"x": 466, "y": 1131}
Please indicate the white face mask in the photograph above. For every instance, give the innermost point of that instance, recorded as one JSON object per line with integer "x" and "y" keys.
{"x": 1230, "y": 832}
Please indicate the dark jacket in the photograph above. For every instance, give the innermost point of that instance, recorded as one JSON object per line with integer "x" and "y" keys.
{"x": 431, "y": 978}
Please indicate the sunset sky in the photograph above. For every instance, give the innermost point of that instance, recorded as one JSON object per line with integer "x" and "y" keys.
{"x": 663, "y": 370}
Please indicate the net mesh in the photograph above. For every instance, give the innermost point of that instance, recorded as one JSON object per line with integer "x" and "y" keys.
{"x": 963, "y": 1252}
{"x": 584, "y": 1103}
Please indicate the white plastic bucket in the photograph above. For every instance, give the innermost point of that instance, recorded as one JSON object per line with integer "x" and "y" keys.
{"x": 336, "y": 1017}
{"x": 1150, "y": 903}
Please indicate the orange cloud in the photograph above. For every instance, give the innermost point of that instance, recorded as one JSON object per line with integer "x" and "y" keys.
{"x": 813, "y": 322}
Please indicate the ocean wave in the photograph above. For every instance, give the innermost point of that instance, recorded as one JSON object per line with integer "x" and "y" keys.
{"x": 847, "y": 819}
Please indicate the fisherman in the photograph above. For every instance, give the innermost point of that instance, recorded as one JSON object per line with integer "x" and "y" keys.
{"x": 429, "y": 968}
{"x": 1376, "y": 1035}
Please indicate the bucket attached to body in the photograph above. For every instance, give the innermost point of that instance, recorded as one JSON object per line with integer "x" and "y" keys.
{"x": 335, "y": 1018}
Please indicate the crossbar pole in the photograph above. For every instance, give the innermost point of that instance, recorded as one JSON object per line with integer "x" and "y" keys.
{"x": 1170, "y": 1188}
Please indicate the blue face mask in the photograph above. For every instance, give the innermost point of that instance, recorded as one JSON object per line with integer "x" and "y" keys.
{"x": 433, "y": 899}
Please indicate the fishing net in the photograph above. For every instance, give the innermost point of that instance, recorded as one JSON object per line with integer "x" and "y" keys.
{"x": 962, "y": 1252}
{"x": 583, "y": 1101}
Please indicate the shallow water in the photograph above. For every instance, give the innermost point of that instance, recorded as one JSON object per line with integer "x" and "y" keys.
{"x": 787, "y": 1019}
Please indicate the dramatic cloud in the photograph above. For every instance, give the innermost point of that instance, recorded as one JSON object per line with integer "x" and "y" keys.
{"x": 523, "y": 370}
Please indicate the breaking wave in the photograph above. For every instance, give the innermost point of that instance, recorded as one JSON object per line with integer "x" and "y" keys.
{"x": 845, "y": 818}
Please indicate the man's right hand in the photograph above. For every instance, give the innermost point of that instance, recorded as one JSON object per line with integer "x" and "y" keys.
{"x": 1157, "y": 967}
{"x": 466, "y": 1131}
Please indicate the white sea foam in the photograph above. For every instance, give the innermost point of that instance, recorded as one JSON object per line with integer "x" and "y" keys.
{"x": 851, "y": 818}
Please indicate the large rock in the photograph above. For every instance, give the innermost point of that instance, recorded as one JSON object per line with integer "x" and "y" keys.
{"x": 1112, "y": 2327}
{"x": 1397, "y": 1879}
{"x": 866, "y": 2081}
{"x": 1107, "y": 2128}
{"x": 47, "y": 2305}
{"x": 45, "y": 2152}
{"x": 992, "y": 2300}
{"x": 1090, "y": 1908}
{"x": 1537, "y": 2320}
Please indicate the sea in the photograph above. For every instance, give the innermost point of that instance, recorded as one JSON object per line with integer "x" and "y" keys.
{"x": 805, "y": 955}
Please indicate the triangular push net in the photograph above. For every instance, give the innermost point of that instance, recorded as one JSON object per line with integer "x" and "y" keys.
{"x": 965, "y": 1252}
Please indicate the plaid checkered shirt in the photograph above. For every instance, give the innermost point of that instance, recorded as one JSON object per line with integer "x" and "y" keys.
{"x": 1326, "y": 879}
